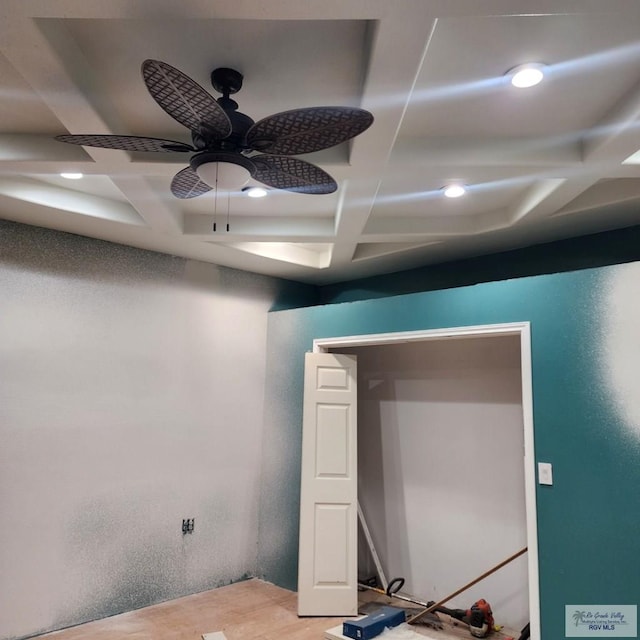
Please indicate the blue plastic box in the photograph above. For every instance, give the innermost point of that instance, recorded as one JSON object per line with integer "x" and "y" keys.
{"x": 374, "y": 624}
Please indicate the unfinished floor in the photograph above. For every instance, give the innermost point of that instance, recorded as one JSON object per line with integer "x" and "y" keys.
{"x": 250, "y": 610}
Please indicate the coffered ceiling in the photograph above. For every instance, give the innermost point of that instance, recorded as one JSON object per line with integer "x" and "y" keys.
{"x": 552, "y": 161}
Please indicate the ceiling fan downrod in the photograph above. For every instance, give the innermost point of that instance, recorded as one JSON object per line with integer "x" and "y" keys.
{"x": 227, "y": 82}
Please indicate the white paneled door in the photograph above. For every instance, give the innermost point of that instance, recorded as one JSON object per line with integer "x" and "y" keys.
{"x": 327, "y": 571}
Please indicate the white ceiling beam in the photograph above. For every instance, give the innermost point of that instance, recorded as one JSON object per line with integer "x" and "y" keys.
{"x": 55, "y": 68}
{"x": 617, "y": 135}
{"x": 50, "y": 197}
{"x": 535, "y": 201}
{"x": 90, "y": 168}
{"x": 605, "y": 194}
{"x": 495, "y": 152}
{"x": 271, "y": 229}
{"x": 407, "y": 228}
{"x": 160, "y": 214}
{"x": 286, "y": 252}
{"x": 385, "y": 78}
{"x": 368, "y": 251}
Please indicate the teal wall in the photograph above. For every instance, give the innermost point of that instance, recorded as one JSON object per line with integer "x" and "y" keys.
{"x": 589, "y": 521}
{"x": 585, "y": 252}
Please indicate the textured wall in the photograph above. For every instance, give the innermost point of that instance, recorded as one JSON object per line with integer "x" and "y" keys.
{"x": 131, "y": 396}
{"x": 585, "y": 355}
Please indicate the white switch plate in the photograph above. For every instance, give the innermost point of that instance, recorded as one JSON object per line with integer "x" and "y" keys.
{"x": 545, "y": 473}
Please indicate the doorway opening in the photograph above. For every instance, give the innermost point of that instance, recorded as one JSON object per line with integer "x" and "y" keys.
{"x": 444, "y": 425}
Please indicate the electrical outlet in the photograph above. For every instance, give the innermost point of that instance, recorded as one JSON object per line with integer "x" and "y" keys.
{"x": 187, "y": 525}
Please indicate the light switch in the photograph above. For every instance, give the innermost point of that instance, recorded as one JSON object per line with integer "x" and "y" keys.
{"x": 545, "y": 473}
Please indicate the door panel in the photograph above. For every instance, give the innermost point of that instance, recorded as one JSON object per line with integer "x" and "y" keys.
{"x": 327, "y": 570}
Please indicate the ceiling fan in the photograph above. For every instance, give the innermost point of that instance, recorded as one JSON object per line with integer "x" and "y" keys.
{"x": 228, "y": 147}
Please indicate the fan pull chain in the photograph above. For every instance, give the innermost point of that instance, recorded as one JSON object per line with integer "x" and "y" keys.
{"x": 228, "y": 208}
{"x": 215, "y": 201}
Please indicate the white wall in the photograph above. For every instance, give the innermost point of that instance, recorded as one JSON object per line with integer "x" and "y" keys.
{"x": 131, "y": 396}
{"x": 441, "y": 476}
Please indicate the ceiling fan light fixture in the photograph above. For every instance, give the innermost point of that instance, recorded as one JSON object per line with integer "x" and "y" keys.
{"x": 526, "y": 75}
{"x": 255, "y": 192}
{"x": 454, "y": 190}
{"x": 223, "y": 176}
{"x": 69, "y": 175}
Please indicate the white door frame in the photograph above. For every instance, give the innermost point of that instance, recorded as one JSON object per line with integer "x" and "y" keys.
{"x": 523, "y": 330}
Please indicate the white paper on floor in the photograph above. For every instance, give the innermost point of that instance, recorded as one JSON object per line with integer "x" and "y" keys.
{"x": 405, "y": 632}
{"x": 401, "y": 632}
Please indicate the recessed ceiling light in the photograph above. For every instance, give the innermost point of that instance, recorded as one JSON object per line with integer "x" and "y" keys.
{"x": 454, "y": 190}
{"x": 526, "y": 75}
{"x": 71, "y": 176}
{"x": 255, "y": 192}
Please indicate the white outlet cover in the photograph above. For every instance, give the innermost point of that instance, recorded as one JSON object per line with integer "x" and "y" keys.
{"x": 215, "y": 635}
{"x": 545, "y": 473}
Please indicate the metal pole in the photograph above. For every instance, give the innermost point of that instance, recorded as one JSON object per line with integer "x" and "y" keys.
{"x": 374, "y": 554}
